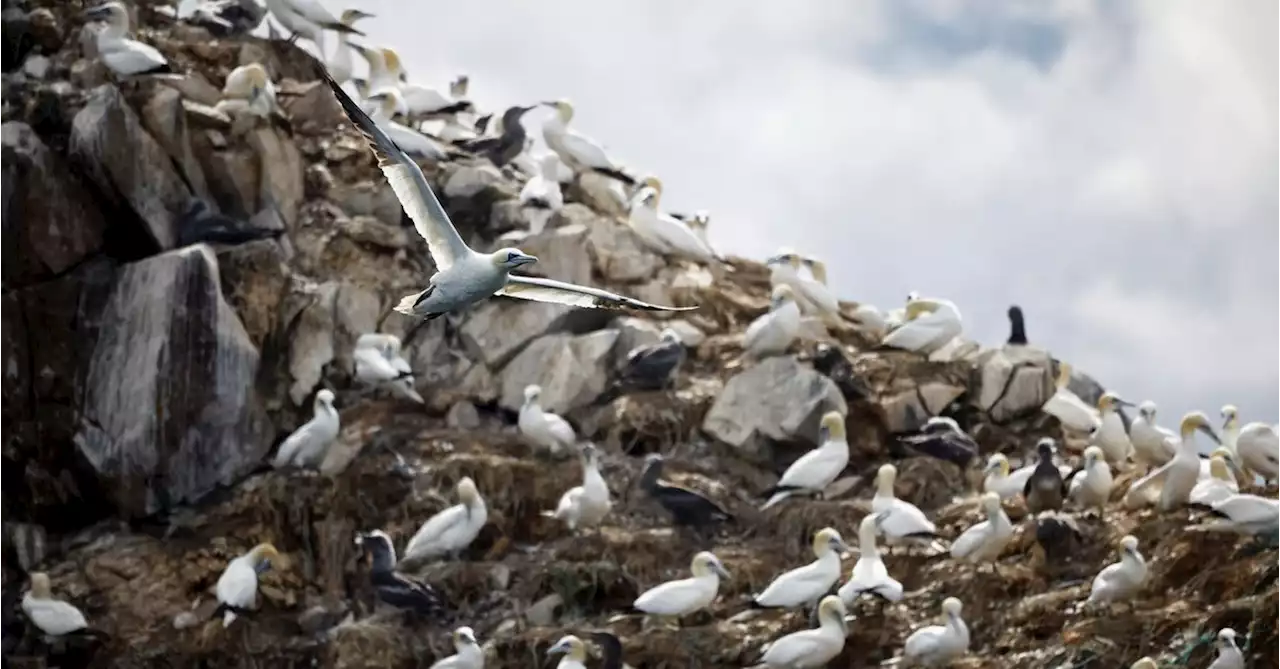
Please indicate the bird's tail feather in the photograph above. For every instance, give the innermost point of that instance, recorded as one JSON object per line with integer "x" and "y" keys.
{"x": 777, "y": 498}
{"x": 616, "y": 174}
{"x": 407, "y": 303}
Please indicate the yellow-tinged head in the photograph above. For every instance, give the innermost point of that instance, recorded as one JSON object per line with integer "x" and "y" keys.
{"x": 1145, "y": 663}
{"x": 1064, "y": 376}
{"x": 263, "y": 553}
{"x": 828, "y": 539}
{"x": 997, "y": 464}
{"x": 1218, "y": 467}
{"x": 563, "y": 107}
{"x": 570, "y": 646}
{"x": 885, "y": 477}
{"x": 919, "y": 307}
{"x": 652, "y": 182}
{"x": 350, "y": 16}
{"x": 466, "y": 489}
{"x": 951, "y": 606}
{"x": 991, "y": 502}
{"x": 1197, "y": 421}
{"x": 1230, "y": 416}
{"x": 1129, "y": 544}
{"x": 832, "y": 609}
{"x": 1091, "y": 455}
{"x": 40, "y": 587}
{"x": 833, "y": 424}
{"x": 782, "y": 293}
{"x": 392, "y": 60}
{"x": 706, "y": 564}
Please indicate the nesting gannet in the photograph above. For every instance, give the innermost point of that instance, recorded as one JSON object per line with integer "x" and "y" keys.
{"x": 309, "y": 19}
{"x": 1244, "y": 514}
{"x": 541, "y": 194}
{"x": 420, "y": 100}
{"x": 1152, "y": 445}
{"x": 805, "y": 585}
{"x": 663, "y": 232}
{"x": 587, "y": 504}
{"x": 237, "y": 587}
{"x": 576, "y": 150}
{"x": 939, "y": 645}
{"x": 463, "y": 276}
{"x": 406, "y": 139}
{"x": 380, "y": 80}
{"x": 248, "y": 91}
{"x": 339, "y": 64}
{"x": 1045, "y": 488}
{"x": 687, "y": 507}
{"x": 811, "y": 295}
{"x": 53, "y": 617}
{"x": 1067, "y": 407}
{"x": 654, "y": 366}
{"x": 817, "y": 290}
{"x": 1256, "y": 446}
{"x": 573, "y": 650}
{"x": 507, "y": 140}
{"x": 450, "y": 530}
{"x": 1229, "y": 654}
{"x": 942, "y": 438}
{"x": 1170, "y": 485}
{"x": 543, "y": 428}
{"x": 378, "y": 362}
{"x": 1091, "y": 486}
{"x": 1111, "y": 436}
{"x": 199, "y": 223}
{"x": 815, "y": 470}
{"x": 895, "y": 317}
{"x": 308, "y": 445}
{"x": 984, "y": 541}
{"x": 682, "y": 597}
{"x": 931, "y": 323}
{"x": 772, "y": 333}
{"x": 869, "y": 575}
{"x": 1220, "y": 483}
{"x": 1017, "y": 327}
{"x": 123, "y": 56}
{"x": 812, "y": 648}
{"x": 1120, "y": 581}
{"x": 698, "y": 223}
{"x": 902, "y": 520}
{"x": 467, "y": 652}
{"x": 392, "y": 587}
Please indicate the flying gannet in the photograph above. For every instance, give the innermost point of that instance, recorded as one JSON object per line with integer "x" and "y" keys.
{"x": 463, "y": 276}
{"x": 931, "y": 323}
{"x": 942, "y": 438}
{"x": 1256, "y": 446}
{"x": 1067, "y": 407}
{"x": 812, "y": 648}
{"x": 124, "y": 56}
{"x": 902, "y": 521}
{"x": 1229, "y": 654}
{"x": 543, "y": 428}
{"x": 1152, "y": 444}
{"x": 1046, "y": 488}
{"x": 467, "y": 652}
{"x": 309, "y": 19}
{"x": 1111, "y": 435}
{"x": 688, "y": 508}
{"x": 1091, "y": 486}
{"x": 451, "y": 530}
{"x": 1121, "y": 580}
{"x": 308, "y": 445}
{"x": 939, "y": 645}
{"x": 677, "y": 598}
{"x": 541, "y": 196}
{"x": 818, "y": 468}
{"x": 237, "y": 587}
{"x": 587, "y": 504}
{"x": 378, "y": 362}
{"x": 393, "y": 588}
{"x": 984, "y": 541}
{"x": 53, "y": 617}
{"x": 340, "y": 65}
{"x": 772, "y": 332}
{"x": 663, "y": 232}
{"x": 576, "y": 150}
{"x": 804, "y": 586}
{"x": 573, "y": 650}
{"x": 1170, "y": 485}
{"x": 869, "y": 575}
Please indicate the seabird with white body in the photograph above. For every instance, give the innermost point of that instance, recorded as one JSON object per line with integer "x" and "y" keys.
{"x": 248, "y": 91}
{"x": 237, "y": 587}
{"x": 869, "y": 575}
{"x": 124, "y": 56}
{"x": 407, "y": 139}
{"x": 573, "y": 650}
{"x": 541, "y": 197}
{"x": 1111, "y": 436}
{"x": 1219, "y": 485}
{"x": 931, "y": 323}
{"x": 1091, "y": 486}
{"x": 378, "y": 363}
{"x": 772, "y": 332}
{"x": 938, "y": 645}
{"x": 818, "y": 468}
{"x": 1256, "y": 446}
{"x": 1121, "y": 580}
{"x": 339, "y": 64}
{"x": 803, "y": 586}
{"x": 464, "y": 277}
{"x": 663, "y": 232}
{"x": 379, "y": 80}
{"x": 467, "y": 652}
{"x": 811, "y": 648}
{"x": 1152, "y": 445}
{"x": 811, "y": 294}
{"x": 53, "y": 617}
{"x": 984, "y": 541}
{"x": 587, "y": 504}
{"x": 308, "y": 19}
{"x": 902, "y": 521}
{"x": 1170, "y": 485}
{"x": 308, "y": 445}
{"x": 420, "y": 100}
{"x": 1067, "y": 407}
{"x": 677, "y": 598}
{"x": 1244, "y": 514}
{"x": 450, "y": 530}
{"x": 578, "y": 151}
{"x": 543, "y": 428}
{"x": 1229, "y": 654}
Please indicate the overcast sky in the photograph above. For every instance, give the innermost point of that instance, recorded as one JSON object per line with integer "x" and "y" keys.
{"x": 1109, "y": 166}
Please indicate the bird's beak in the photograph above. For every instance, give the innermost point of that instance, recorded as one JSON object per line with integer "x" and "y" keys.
{"x": 526, "y": 260}
{"x": 1208, "y": 432}
{"x": 547, "y": 103}
{"x": 558, "y": 649}
{"x": 94, "y": 13}
{"x": 1124, "y": 403}
{"x": 263, "y": 567}
{"x": 839, "y": 546}
{"x": 880, "y": 517}
{"x": 721, "y": 571}
{"x": 1226, "y": 420}
{"x": 771, "y": 260}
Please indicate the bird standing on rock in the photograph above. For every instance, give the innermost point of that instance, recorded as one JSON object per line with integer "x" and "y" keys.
{"x": 125, "y": 57}
{"x": 450, "y": 531}
{"x": 585, "y": 505}
{"x": 652, "y": 366}
{"x": 1045, "y": 488}
{"x": 392, "y": 587}
{"x": 817, "y": 469}
{"x": 1017, "y": 327}
{"x": 467, "y": 652}
{"x": 53, "y": 617}
{"x": 687, "y": 507}
{"x": 543, "y": 428}
{"x": 307, "y": 447}
{"x": 806, "y": 585}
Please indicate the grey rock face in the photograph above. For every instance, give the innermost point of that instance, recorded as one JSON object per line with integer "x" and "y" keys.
{"x": 1012, "y": 381}
{"x": 572, "y": 370}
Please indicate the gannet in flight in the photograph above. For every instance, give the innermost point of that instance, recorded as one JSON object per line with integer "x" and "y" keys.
{"x": 123, "y": 56}
{"x": 463, "y": 276}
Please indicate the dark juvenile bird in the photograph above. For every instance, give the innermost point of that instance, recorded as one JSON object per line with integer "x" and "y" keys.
{"x": 610, "y": 649}
{"x": 942, "y": 438}
{"x": 1045, "y": 488}
{"x": 1017, "y": 327}
{"x": 649, "y": 367}
{"x": 687, "y": 507}
{"x": 831, "y": 362}
{"x": 199, "y": 223}
{"x": 507, "y": 140}
{"x": 394, "y": 588}
{"x": 1057, "y": 535}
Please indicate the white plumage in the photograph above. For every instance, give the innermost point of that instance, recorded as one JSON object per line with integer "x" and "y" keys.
{"x": 984, "y": 541}
{"x": 409, "y": 140}
{"x": 939, "y": 645}
{"x": 1219, "y": 485}
{"x": 339, "y": 64}
{"x": 811, "y": 294}
{"x": 574, "y": 651}
{"x": 1256, "y": 446}
{"x": 543, "y": 428}
{"x": 1092, "y": 486}
{"x": 1170, "y": 485}
{"x": 1152, "y": 444}
{"x": 53, "y": 617}
{"x": 248, "y": 90}
{"x": 772, "y": 333}
{"x": 121, "y": 55}
{"x": 237, "y": 587}
{"x": 308, "y": 445}
{"x": 1000, "y": 480}
{"x": 1244, "y": 514}
{"x": 576, "y": 150}
{"x": 813, "y": 648}
{"x": 450, "y": 530}
{"x": 541, "y": 197}
{"x": 869, "y": 575}
{"x": 806, "y": 585}
{"x": 306, "y": 18}
{"x": 931, "y": 323}
{"x": 678, "y": 598}
{"x": 1120, "y": 581}
{"x": 663, "y": 232}
{"x": 585, "y": 505}
{"x": 901, "y": 520}
{"x": 815, "y": 470}
{"x": 379, "y": 80}
{"x": 378, "y": 362}
{"x": 467, "y": 652}
{"x": 1067, "y": 407}
{"x": 1229, "y": 654}
{"x": 1111, "y": 436}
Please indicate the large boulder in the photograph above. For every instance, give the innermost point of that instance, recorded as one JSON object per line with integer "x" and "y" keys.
{"x": 1011, "y": 381}
{"x": 905, "y": 389}
{"x": 572, "y": 370}
{"x": 497, "y": 329}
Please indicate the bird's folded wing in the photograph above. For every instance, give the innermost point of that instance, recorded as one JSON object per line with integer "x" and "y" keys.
{"x": 547, "y": 290}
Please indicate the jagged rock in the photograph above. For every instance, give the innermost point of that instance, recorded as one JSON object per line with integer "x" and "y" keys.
{"x": 369, "y": 199}
{"x": 165, "y": 421}
{"x": 442, "y": 368}
{"x": 368, "y": 230}
{"x": 1011, "y": 381}
{"x": 907, "y": 389}
{"x": 50, "y": 222}
{"x": 562, "y": 254}
{"x": 1085, "y": 387}
{"x": 196, "y": 88}
{"x": 572, "y": 370}
{"x": 311, "y": 106}
{"x": 231, "y": 173}
{"x": 690, "y": 334}
{"x": 28, "y": 542}
{"x": 468, "y": 180}
{"x": 615, "y": 249}
{"x": 311, "y": 345}
{"x": 280, "y": 172}
{"x": 127, "y": 164}
{"x": 463, "y": 415}
{"x": 777, "y": 400}
{"x": 166, "y": 119}
{"x": 255, "y": 280}
{"x": 356, "y": 310}
{"x": 600, "y": 193}
{"x": 497, "y": 329}
{"x": 506, "y": 217}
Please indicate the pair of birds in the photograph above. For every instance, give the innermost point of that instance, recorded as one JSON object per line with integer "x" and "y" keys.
{"x": 664, "y": 233}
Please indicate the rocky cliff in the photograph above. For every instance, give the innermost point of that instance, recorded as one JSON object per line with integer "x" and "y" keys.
{"x": 147, "y": 377}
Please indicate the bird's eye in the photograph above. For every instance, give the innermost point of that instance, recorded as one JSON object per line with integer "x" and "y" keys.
{"x": 511, "y": 255}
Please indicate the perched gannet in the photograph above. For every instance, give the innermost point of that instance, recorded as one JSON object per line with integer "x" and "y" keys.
{"x": 463, "y": 276}
{"x": 53, "y": 617}
{"x": 1045, "y": 488}
{"x": 682, "y": 597}
{"x": 817, "y": 290}
{"x": 811, "y": 295}
{"x": 869, "y": 575}
{"x": 1229, "y": 654}
{"x": 1220, "y": 484}
{"x": 393, "y": 588}
{"x": 123, "y": 56}
{"x": 380, "y": 80}
{"x": 1017, "y": 327}
{"x": 902, "y": 520}
{"x": 248, "y": 91}
{"x": 698, "y": 223}
{"x": 406, "y": 139}
{"x": 984, "y": 541}
{"x": 1152, "y": 445}
{"x": 815, "y": 470}
{"x": 576, "y": 150}
{"x": 543, "y": 428}
{"x": 931, "y": 323}
{"x": 939, "y": 645}
{"x": 467, "y": 652}
{"x": 1091, "y": 486}
{"x": 663, "y": 232}
{"x": 1256, "y": 446}
{"x": 805, "y": 585}
{"x": 1170, "y": 485}
{"x": 507, "y": 140}
{"x": 772, "y": 332}
{"x": 1111, "y": 436}
{"x": 1067, "y": 407}
{"x": 308, "y": 445}
{"x": 420, "y": 100}
{"x": 687, "y": 507}
{"x": 573, "y": 650}
{"x": 541, "y": 194}
{"x": 897, "y": 316}
{"x": 339, "y": 64}
{"x": 378, "y": 363}
{"x": 1244, "y": 514}
{"x": 587, "y": 504}
{"x": 450, "y": 530}
{"x": 812, "y": 648}
{"x": 237, "y": 588}
{"x": 1144, "y": 663}
{"x": 653, "y": 366}
{"x": 942, "y": 438}
{"x": 309, "y": 19}
{"x": 1120, "y": 581}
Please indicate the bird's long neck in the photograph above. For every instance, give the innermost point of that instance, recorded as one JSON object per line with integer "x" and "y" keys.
{"x": 867, "y": 542}
{"x": 1018, "y": 330}
{"x": 649, "y": 477}
{"x": 1230, "y": 434}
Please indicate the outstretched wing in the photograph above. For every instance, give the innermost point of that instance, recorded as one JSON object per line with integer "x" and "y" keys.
{"x": 558, "y": 292}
